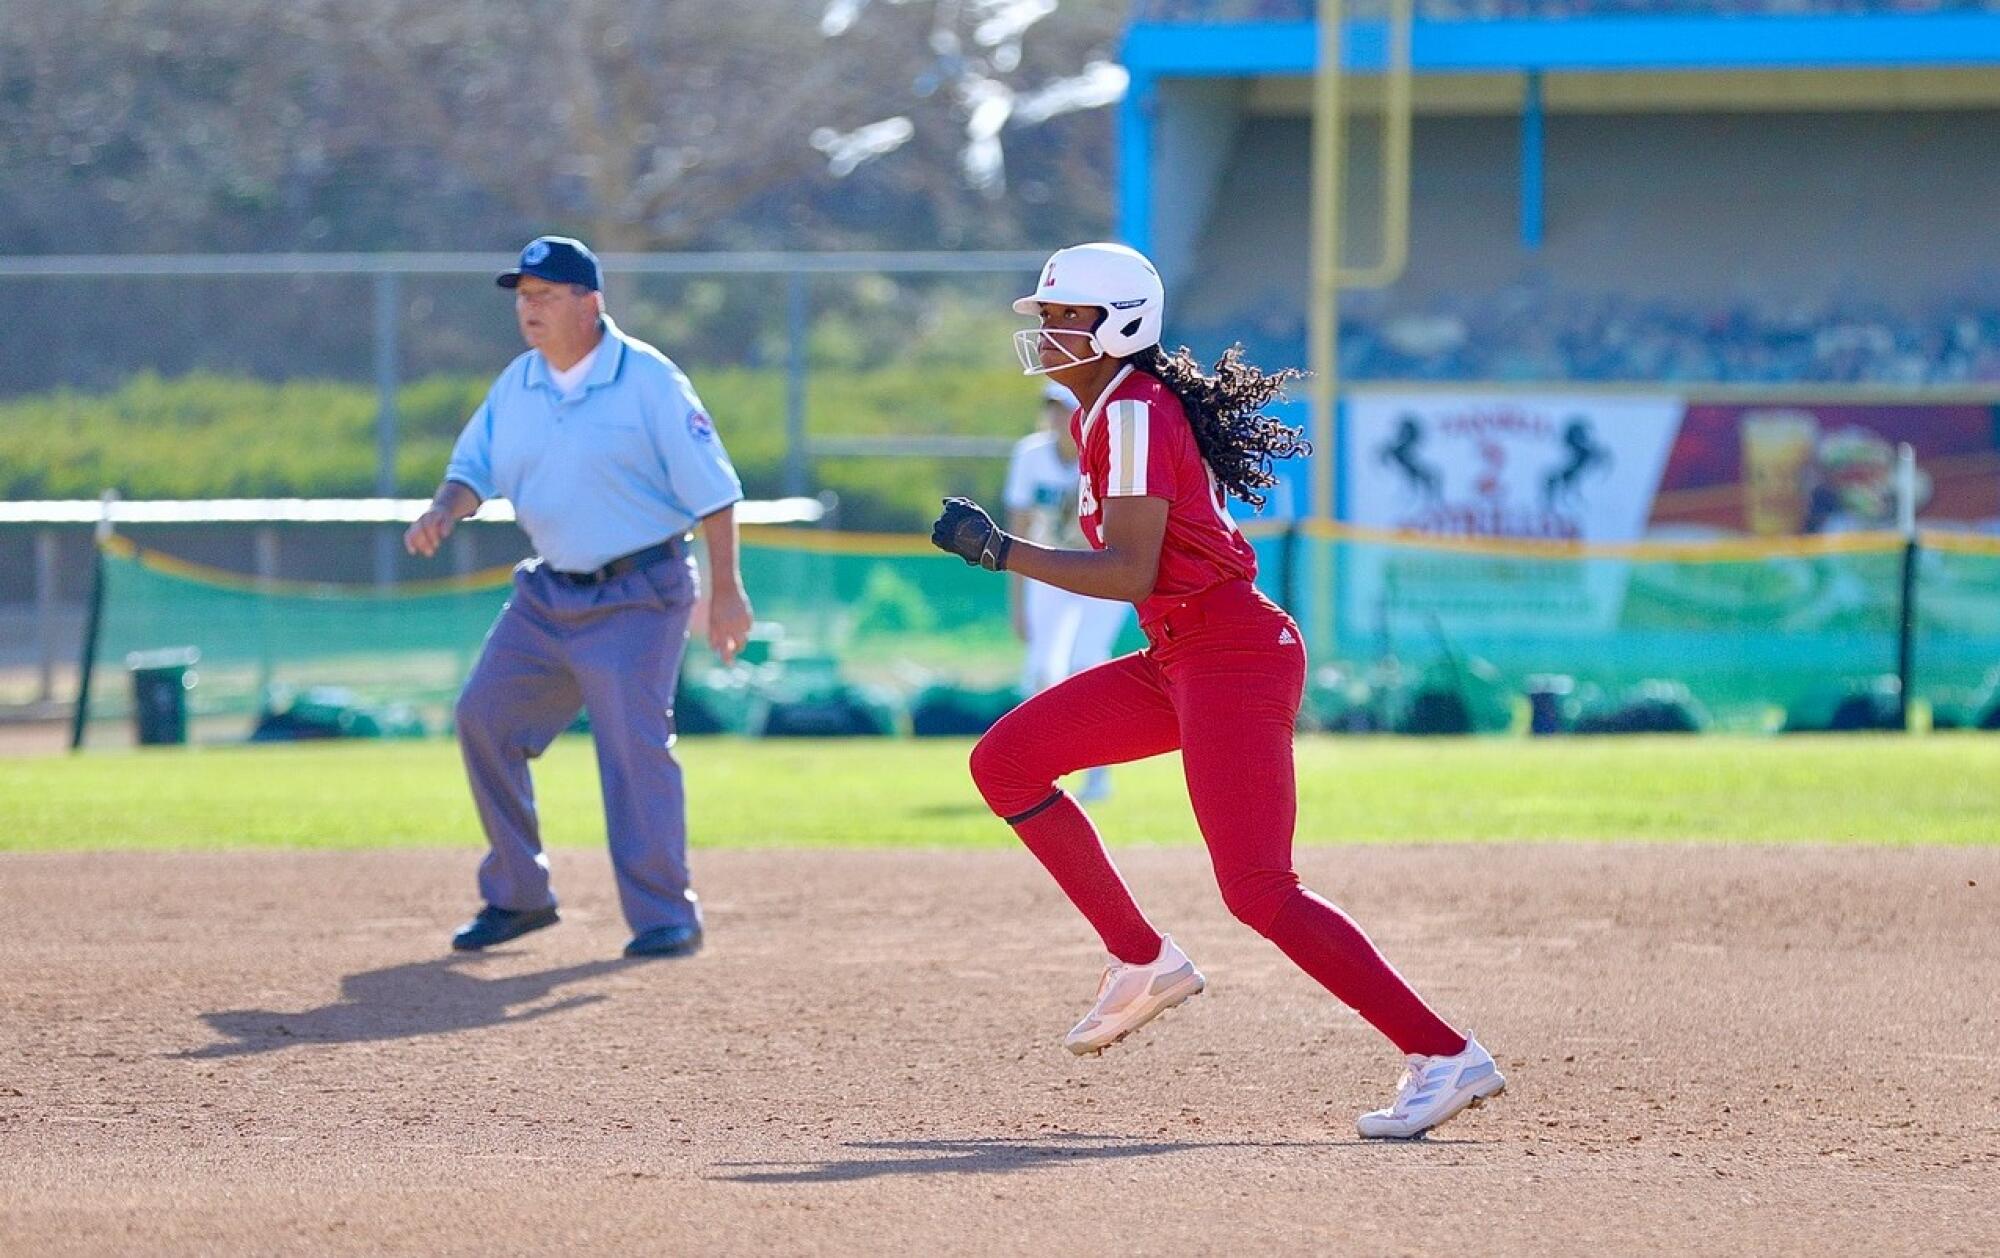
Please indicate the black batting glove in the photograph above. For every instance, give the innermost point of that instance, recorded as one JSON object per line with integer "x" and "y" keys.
{"x": 965, "y": 530}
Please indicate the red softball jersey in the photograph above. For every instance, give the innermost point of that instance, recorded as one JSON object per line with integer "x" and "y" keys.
{"x": 1135, "y": 443}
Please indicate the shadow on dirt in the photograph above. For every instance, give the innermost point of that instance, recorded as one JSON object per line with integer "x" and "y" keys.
{"x": 403, "y": 1002}
{"x": 992, "y": 1155}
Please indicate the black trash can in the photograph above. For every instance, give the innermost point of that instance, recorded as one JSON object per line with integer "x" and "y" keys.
{"x": 160, "y": 683}
{"x": 1549, "y": 698}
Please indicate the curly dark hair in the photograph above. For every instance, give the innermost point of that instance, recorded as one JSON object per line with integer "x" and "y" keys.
{"x": 1238, "y": 441}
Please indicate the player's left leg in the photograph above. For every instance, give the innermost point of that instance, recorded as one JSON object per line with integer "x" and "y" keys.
{"x": 1238, "y": 698}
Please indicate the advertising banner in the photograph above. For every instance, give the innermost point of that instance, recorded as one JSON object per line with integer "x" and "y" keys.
{"x": 1598, "y": 469}
{"x": 1563, "y": 468}
{"x": 1555, "y": 468}
{"x": 1791, "y": 468}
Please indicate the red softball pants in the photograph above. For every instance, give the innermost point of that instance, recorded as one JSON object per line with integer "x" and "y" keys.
{"x": 1221, "y": 682}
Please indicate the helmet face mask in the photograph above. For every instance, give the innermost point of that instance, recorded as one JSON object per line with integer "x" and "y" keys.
{"x": 1074, "y": 346}
{"x": 1111, "y": 277}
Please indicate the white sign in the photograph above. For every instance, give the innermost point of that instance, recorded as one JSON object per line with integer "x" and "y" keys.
{"x": 1555, "y": 468}
{"x": 1566, "y": 469}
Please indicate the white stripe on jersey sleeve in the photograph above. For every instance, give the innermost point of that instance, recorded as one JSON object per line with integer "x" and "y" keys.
{"x": 1128, "y": 427}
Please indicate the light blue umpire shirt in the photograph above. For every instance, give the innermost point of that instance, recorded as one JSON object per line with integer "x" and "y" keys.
{"x": 628, "y": 459}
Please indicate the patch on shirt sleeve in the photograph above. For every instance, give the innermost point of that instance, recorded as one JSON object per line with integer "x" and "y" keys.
{"x": 700, "y": 426}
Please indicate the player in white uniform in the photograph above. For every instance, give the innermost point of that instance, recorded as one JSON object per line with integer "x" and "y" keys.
{"x": 1065, "y": 633}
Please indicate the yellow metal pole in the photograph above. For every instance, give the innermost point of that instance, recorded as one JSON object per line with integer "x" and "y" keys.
{"x": 1323, "y": 307}
{"x": 1395, "y": 158}
{"x": 1396, "y": 143}
{"x": 1323, "y": 304}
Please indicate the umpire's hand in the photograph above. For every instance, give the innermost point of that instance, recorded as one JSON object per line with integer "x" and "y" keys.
{"x": 428, "y": 533}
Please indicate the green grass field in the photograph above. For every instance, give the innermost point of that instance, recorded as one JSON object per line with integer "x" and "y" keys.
{"x": 874, "y": 793}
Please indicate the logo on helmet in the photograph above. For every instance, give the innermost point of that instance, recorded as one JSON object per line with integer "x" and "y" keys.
{"x": 1128, "y": 305}
{"x": 1049, "y": 277}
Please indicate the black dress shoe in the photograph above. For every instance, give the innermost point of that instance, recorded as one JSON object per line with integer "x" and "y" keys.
{"x": 497, "y": 925}
{"x": 665, "y": 941}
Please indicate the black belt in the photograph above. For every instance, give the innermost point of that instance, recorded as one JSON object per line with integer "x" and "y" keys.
{"x": 672, "y": 548}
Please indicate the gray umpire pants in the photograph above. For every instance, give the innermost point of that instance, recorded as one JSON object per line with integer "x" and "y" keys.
{"x": 615, "y": 649}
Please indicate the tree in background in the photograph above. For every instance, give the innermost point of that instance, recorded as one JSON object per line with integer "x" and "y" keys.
{"x": 975, "y": 47}
{"x": 134, "y": 126}
{"x": 138, "y": 125}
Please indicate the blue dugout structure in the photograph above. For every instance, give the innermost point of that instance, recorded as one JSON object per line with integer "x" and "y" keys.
{"x": 1193, "y": 62}
{"x": 1200, "y": 42}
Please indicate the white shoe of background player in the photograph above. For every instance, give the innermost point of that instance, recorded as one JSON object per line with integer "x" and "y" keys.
{"x": 1130, "y": 996}
{"x": 1433, "y": 1091}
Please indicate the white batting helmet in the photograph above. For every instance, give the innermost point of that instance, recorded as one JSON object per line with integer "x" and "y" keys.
{"x": 1116, "y": 279}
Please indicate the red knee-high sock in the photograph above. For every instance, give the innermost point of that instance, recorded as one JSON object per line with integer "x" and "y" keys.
{"x": 1062, "y": 838}
{"x": 1325, "y": 943}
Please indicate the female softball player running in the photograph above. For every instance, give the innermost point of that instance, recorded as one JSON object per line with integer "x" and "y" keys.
{"x": 1159, "y": 443}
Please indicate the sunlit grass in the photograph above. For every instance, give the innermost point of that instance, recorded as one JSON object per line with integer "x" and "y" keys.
{"x": 899, "y": 793}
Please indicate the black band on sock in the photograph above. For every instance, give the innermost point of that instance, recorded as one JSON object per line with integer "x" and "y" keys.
{"x": 1036, "y": 811}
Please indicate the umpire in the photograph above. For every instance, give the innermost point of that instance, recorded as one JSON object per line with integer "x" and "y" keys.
{"x": 601, "y": 445}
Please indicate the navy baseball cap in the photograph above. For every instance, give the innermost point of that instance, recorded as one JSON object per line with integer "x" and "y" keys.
{"x": 557, "y": 259}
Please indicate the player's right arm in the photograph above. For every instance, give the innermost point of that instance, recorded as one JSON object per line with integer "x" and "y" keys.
{"x": 1125, "y": 569}
{"x": 1133, "y": 475}
{"x": 1137, "y": 479}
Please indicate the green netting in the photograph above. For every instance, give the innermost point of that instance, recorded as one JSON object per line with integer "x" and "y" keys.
{"x": 1749, "y": 640}
{"x": 898, "y": 613}
{"x": 395, "y": 646}
{"x": 1958, "y": 635}
{"x": 1756, "y": 641}
{"x": 886, "y": 616}
{"x": 889, "y": 612}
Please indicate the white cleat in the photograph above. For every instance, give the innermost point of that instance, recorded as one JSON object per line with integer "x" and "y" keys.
{"x": 1434, "y": 1091}
{"x": 1130, "y": 996}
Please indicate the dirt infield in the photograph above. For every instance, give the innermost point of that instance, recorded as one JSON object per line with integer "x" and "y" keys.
{"x": 1711, "y": 1051}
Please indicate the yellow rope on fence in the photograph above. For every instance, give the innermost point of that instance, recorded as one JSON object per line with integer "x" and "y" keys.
{"x": 1730, "y": 549}
{"x": 816, "y": 541}
{"x": 821, "y": 541}
{"x": 1960, "y": 543}
{"x": 188, "y": 570}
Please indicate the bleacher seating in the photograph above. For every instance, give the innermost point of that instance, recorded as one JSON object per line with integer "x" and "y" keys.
{"x": 1531, "y": 332}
